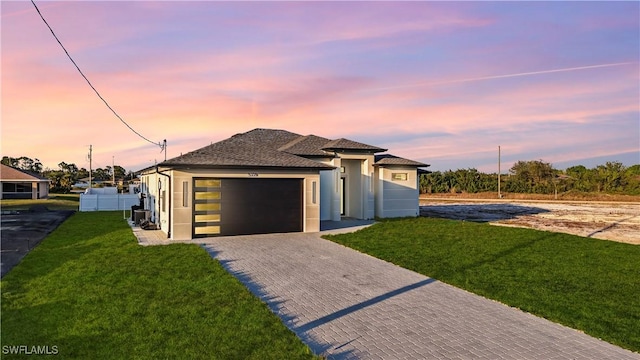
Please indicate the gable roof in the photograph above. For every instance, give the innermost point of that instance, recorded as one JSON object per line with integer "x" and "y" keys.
{"x": 391, "y": 160}
{"x": 8, "y": 173}
{"x": 310, "y": 145}
{"x": 346, "y": 144}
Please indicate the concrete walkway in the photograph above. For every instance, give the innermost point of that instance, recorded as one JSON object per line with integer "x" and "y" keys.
{"x": 346, "y": 305}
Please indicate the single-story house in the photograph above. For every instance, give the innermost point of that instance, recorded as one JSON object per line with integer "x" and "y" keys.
{"x": 269, "y": 181}
{"x": 18, "y": 184}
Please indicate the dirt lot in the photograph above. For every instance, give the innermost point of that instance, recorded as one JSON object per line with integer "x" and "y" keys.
{"x": 607, "y": 221}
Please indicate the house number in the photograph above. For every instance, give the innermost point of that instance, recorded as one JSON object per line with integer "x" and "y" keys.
{"x": 253, "y": 174}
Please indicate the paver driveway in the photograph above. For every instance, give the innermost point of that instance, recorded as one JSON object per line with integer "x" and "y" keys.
{"x": 345, "y": 304}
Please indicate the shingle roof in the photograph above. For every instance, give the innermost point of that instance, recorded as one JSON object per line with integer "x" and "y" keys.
{"x": 277, "y": 148}
{"x": 346, "y": 144}
{"x": 388, "y": 159}
{"x": 7, "y": 173}
{"x": 269, "y": 137}
{"x": 256, "y": 148}
{"x": 310, "y": 145}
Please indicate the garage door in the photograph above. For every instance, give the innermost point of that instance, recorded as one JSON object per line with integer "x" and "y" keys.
{"x": 246, "y": 206}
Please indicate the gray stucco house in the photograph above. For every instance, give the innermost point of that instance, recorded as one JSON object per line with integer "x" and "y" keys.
{"x": 268, "y": 181}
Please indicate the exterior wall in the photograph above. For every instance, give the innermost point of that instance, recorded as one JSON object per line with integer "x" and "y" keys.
{"x": 397, "y": 198}
{"x": 311, "y": 216}
{"x": 328, "y": 194}
{"x": 330, "y": 191}
{"x": 182, "y": 189}
{"x": 152, "y": 195}
{"x": 29, "y": 190}
{"x": 360, "y": 196}
{"x": 43, "y": 190}
{"x": 353, "y": 182}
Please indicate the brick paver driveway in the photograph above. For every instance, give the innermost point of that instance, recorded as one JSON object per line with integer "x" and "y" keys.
{"x": 345, "y": 304}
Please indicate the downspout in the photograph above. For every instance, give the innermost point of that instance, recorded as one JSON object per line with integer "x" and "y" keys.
{"x": 169, "y": 203}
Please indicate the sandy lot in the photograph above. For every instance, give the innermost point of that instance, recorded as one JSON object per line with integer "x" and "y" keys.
{"x": 607, "y": 221}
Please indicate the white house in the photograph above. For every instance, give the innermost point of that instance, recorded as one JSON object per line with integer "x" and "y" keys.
{"x": 268, "y": 181}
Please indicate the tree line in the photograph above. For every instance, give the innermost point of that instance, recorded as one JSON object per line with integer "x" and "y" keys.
{"x": 66, "y": 175}
{"x": 530, "y": 177}
{"x": 537, "y": 177}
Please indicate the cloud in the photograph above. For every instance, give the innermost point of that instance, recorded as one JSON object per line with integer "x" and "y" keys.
{"x": 495, "y": 77}
{"x": 443, "y": 83}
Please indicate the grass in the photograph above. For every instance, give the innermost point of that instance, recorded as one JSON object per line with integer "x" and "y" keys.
{"x": 54, "y": 202}
{"x": 90, "y": 290}
{"x": 587, "y": 284}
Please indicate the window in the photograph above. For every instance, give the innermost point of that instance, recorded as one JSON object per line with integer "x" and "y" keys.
{"x": 208, "y": 183}
{"x": 185, "y": 194}
{"x": 399, "y": 176}
{"x": 314, "y": 186}
{"x": 207, "y": 217}
{"x": 213, "y": 195}
{"x": 207, "y": 194}
{"x": 207, "y": 230}
{"x": 16, "y": 187}
{"x": 208, "y": 207}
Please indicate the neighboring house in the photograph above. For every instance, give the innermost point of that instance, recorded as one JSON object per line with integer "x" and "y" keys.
{"x": 269, "y": 181}
{"x": 18, "y": 184}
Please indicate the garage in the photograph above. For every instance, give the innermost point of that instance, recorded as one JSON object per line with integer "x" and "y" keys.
{"x": 244, "y": 206}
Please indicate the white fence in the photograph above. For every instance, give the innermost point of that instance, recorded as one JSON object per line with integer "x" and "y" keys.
{"x": 103, "y": 202}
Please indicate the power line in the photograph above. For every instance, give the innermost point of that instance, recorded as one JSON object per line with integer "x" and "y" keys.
{"x": 161, "y": 145}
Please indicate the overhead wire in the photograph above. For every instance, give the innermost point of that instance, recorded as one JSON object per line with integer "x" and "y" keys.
{"x": 162, "y": 145}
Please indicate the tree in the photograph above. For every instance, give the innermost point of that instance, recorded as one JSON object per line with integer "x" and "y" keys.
{"x": 532, "y": 177}
{"x": 610, "y": 177}
{"x": 23, "y": 163}
{"x": 101, "y": 174}
{"x": 120, "y": 172}
{"x": 580, "y": 178}
{"x": 632, "y": 176}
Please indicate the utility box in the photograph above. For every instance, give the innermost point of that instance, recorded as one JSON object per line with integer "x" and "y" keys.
{"x": 139, "y": 215}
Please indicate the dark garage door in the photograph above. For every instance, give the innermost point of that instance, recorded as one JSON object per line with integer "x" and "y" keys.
{"x": 246, "y": 206}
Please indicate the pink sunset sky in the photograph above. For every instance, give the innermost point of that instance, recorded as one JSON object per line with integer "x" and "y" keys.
{"x": 444, "y": 83}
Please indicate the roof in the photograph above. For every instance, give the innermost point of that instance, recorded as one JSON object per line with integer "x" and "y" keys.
{"x": 346, "y": 144}
{"x": 8, "y": 173}
{"x": 269, "y": 137}
{"x": 392, "y": 160}
{"x": 276, "y": 149}
{"x": 310, "y": 145}
{"x": 256, "y": 148}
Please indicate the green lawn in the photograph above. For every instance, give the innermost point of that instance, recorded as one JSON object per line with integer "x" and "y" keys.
{"x": 587, "y": 284}
{"x": 54, "y": 202}
{"x": 89, "y": 290}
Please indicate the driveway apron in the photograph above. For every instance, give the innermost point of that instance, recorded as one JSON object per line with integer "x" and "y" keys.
{"x": 345, "y": 304}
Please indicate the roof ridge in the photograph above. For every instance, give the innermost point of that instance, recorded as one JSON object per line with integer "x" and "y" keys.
{"x": 293, "y": 142}
{"x": 347, "y": 144}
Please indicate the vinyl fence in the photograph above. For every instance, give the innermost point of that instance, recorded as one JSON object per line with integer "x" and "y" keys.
{"x": 107, "y": 201}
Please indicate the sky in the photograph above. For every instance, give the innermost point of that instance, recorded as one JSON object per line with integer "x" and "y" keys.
{"x": 444, "y": 83}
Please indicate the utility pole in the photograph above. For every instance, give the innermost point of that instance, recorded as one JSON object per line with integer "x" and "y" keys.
{"x": 90, "y": 169}
{"x": 499, "y": 194}
{"x": 113, "y": 171}
{"x": 164, "y": 146}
